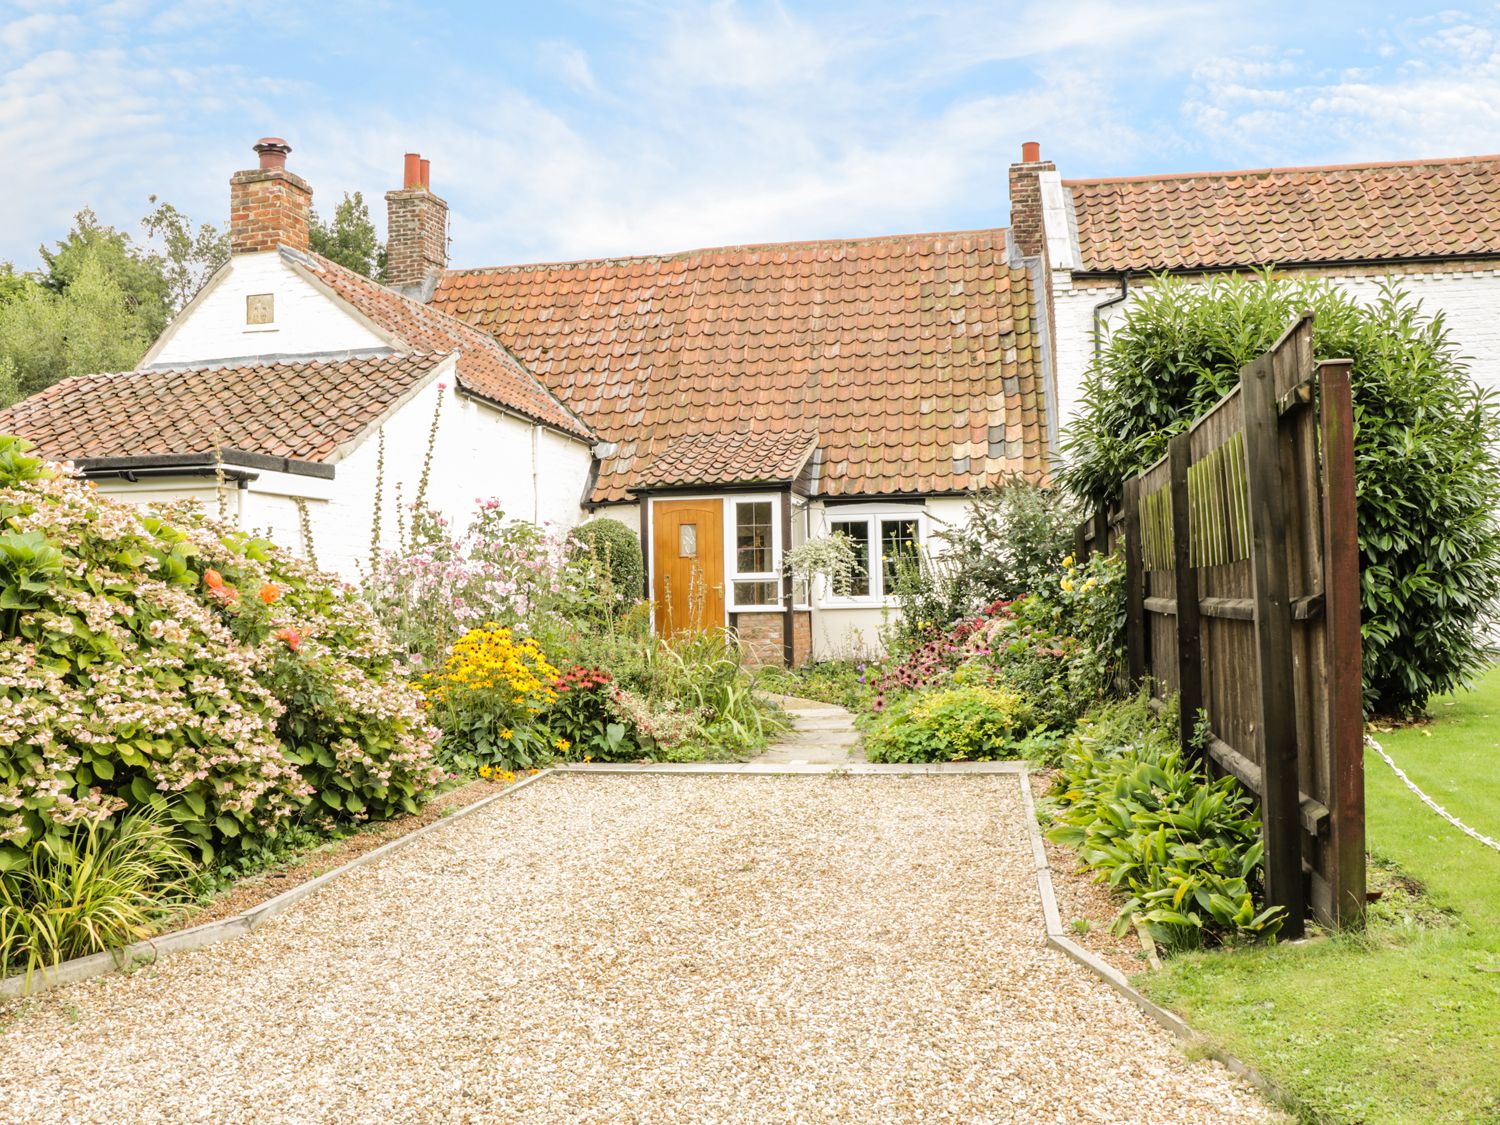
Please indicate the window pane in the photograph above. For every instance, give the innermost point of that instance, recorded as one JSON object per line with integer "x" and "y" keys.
{"x": 858, "y": 533}
{"x": 757, "y": 593}
{"x": 687, "y": 541}
{"x": 898, "y": 551}
{"x": 752, "y": 537}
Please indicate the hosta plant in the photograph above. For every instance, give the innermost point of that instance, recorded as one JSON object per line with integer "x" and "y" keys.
{"x": 1183, "y": 850}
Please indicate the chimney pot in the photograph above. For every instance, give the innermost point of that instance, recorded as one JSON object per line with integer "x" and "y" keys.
{"x": 272, "y": 152}
{"x": 427, "y": 174}
{"x": 1031, "y": 152}
{"x": 413, "y": 175}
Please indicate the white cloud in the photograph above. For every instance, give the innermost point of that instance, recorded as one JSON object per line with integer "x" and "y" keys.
{"x": 1435, "y": 92}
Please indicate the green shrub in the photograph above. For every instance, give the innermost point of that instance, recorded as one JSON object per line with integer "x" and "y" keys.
{"x": 615, "y": 553}
{"x": 1427, "y": 471}
{"x": 96, "y": 888}
{"x": 1184, "y": 849}
{"x": 958, "y": 724}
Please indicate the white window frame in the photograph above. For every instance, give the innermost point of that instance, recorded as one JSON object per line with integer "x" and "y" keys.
{"x": 877, "y": 598}
{"x": 732, "y": 573}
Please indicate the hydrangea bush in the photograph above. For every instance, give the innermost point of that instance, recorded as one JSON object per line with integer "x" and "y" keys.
{"x": 156, "y": 660}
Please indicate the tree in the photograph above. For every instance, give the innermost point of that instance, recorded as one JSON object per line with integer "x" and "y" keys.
{"x": 1427, "y": 476}
{"x": 350, "y": 240}
{"x": 139, "y": 276}
{"x": 190, "y": 257}
{"x": 90, "y": 327}
{"x": 100, "y": 299}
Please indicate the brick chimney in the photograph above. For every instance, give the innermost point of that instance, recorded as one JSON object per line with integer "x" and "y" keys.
{"x": 268, "y": 206}
{"x": 416, "y": 236}
{"x": 1026, "y": 200}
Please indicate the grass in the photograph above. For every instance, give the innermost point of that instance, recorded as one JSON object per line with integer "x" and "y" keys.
{"x": 1400, "y": 1023}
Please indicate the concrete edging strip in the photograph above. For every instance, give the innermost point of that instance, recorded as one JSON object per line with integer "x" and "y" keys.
{"x": 211, "y": 933}
{"x": 1057, "y": 939}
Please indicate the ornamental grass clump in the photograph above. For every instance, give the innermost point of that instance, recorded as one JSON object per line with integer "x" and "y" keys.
{"x": 1182, "y": 849}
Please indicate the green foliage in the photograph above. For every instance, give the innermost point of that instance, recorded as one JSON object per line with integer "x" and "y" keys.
{"x": 613, "y": 553}
{"x": 98, "y": 887}
{"x": 960, "y": 724}
{"x": 90, "y": 326}
{"x": 829, "y": 557}
{"x": 844, "y": 682}
{"x": 1428, "y": 475}
{"x": 1014, "y": 539}
{"x": 1183, "y": 848}
{"x": 350, "y": 239}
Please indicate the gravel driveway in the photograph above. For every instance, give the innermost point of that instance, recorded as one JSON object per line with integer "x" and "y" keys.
{"x": 637, "y": 949}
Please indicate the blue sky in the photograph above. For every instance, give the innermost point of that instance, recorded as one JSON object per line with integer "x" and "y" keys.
{"x": 574, "y": 129}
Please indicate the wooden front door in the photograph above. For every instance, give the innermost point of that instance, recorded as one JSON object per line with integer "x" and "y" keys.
{"x": 687, "y": 565}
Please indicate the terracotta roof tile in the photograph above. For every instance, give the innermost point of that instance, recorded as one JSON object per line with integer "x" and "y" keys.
{"x": 303, "y": 410}
{"x": 1349, "y": 213}
{"x": 485, "y": 368}
{"x": 877, "y": 347}
{"x": 737, "y": 457}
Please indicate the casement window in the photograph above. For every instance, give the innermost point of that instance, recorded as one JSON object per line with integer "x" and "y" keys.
{"x": 755, "y": 575}
{"x": 884, "y": 545}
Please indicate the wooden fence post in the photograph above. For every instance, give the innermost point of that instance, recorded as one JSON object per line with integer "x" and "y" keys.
{"x": 1135, "y": 586}
{"x": 1280, "y": 803}
{"x": 1345, "y": 672}
{"x": 1185, "y": 574}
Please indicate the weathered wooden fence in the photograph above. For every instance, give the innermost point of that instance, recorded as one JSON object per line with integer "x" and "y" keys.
{"x": 1252, "y": 511}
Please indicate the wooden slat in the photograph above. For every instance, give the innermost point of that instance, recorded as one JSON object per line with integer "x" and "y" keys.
{"x": 1313, "y": 814}
{"x": 1238, "y": 609}
{"x": 1185, "y": 577}
{"x": 1341, "y": 582}
{"x": 1276, "y": 702}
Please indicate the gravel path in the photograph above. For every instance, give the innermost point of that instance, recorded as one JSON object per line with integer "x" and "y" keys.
{"x": 637, "y": 949}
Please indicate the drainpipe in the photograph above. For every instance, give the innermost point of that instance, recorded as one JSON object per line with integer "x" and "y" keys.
{"x": 1099, "y": 311}
{"x": 536, "y": 499}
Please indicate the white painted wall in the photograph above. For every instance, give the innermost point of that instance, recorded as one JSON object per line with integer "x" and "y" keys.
{"x": 480, "y": 453}
{"x": 1468, "y": 299}
{"x": 307, "y": 320}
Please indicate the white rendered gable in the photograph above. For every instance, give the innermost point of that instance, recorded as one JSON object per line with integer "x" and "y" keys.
{"x": 218, "y": 324}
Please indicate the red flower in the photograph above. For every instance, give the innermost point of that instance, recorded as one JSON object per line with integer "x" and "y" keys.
{"x": 213, "y": 579}
{"x": 291, "y": 637}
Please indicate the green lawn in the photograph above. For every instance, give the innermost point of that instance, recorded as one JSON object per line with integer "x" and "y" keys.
{"x": 1401, "y": 1024}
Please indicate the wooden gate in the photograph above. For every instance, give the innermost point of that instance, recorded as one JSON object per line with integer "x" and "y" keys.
{"x": 1252, "y": 510}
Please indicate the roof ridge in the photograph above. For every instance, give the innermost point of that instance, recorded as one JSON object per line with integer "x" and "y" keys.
{"x": 1427, "y": 162}
{"x": 640, "y": 259}
{"x": 466, "y": 333}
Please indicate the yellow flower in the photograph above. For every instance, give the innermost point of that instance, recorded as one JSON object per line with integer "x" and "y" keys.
{"x": 507, "y": 734}
{"x": 484, "y": 771}
{"x": 561, "y": 743}
{"x": 1067, "y": 584}
{"x": 1068, "y": 562}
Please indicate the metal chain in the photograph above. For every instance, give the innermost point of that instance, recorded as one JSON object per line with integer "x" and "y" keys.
{"x": 1428, "y": 801}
